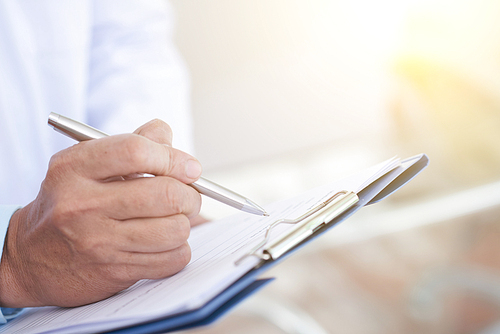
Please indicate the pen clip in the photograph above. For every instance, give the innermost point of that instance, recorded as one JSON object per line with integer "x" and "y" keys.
{"x": 306, "y": 225}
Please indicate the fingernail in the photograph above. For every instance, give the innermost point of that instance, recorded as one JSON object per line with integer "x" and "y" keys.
{"x": 193, "y": 169}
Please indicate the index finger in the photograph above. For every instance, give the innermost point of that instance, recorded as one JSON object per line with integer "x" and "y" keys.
{"x": 127, "y": 154}
{"x": 156, "y": 130}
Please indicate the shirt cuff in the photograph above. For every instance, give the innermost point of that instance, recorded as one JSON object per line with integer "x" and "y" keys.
{"x": 7, "y": 313}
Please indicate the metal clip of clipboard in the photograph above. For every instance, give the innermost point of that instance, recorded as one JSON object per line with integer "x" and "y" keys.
{"x": 306, "y": 225}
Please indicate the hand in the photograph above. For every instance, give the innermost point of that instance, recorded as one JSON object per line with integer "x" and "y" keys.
{"x": 160, "y": 132}
{"x": 84, "y": 238}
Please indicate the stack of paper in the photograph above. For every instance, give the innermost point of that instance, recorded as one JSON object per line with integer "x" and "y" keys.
{"x": 215, "y": 248}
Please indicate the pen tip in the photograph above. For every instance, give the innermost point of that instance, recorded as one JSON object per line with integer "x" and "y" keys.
{"x": 265, "y": 214}
{"x": 254, "y": 208}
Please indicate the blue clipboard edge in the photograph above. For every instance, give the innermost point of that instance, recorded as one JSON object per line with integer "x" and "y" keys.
{"x": 210, "y": 312}
{"x": 229, "y": 298}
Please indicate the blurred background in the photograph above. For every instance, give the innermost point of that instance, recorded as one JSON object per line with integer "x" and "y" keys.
{"x": 288, "y": 95}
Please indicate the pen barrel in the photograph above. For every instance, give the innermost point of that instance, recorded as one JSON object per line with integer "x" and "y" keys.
{"x": 82, "y": 132}
{"x": 310, "y": 225}
{"x": 226, "y": 196}
{"x": 219, "y": 193}
{"x": 74, "y": 129}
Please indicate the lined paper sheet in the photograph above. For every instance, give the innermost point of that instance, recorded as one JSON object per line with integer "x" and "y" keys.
{"x": 215, "y": 248}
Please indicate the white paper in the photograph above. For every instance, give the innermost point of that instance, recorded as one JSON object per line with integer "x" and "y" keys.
{"x": 215, "y": 248}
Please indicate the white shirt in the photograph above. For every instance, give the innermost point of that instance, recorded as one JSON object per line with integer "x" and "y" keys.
{"x": 109, "y": 63}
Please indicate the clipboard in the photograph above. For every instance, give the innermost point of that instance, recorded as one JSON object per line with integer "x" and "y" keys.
{"x": 308, "y": 226}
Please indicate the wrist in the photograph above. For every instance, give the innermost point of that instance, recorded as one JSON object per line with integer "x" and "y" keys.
{"x": 12, "y": 292}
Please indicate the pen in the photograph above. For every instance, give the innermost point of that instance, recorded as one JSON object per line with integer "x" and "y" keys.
{"x": 81, "y": 132}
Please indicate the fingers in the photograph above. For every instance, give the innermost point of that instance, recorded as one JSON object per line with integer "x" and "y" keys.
{"x": 130, "y": 266}
{"x": 128, "y": 154}
{"x": 150, "y": 248}
{"x": 157, "y": 131}
{"x": 151, "y": 235}
{"x": 148, "y": 197}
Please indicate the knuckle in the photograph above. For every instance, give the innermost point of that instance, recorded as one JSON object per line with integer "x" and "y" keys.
{"x": 175, "y": 197}
{"x": 183, "y": 255}
{"x": 168, "y": 161}
{"x": 135, "y": 150}
{"x": 176, "y": 260}
{"x": 157, "y": 130}
{"x": 196, "y": 204}
{"x": 158, "y": 123}
{"x": 168, "y": 234}
{"x": 184, "y": 227}
{"x": 179, "y": 198}
{"x": 180, "y": 228}
{"x": 58, "y": 165}
{"x": 159, "y": 126}
{"x": 56, "y": 160}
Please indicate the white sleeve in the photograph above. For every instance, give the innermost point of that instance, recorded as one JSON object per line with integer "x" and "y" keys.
{"x": 135, "y": 71}
{"x": 6, "y": 212}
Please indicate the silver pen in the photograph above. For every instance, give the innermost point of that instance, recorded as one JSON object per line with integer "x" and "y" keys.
{"x": 81, "y": 132}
